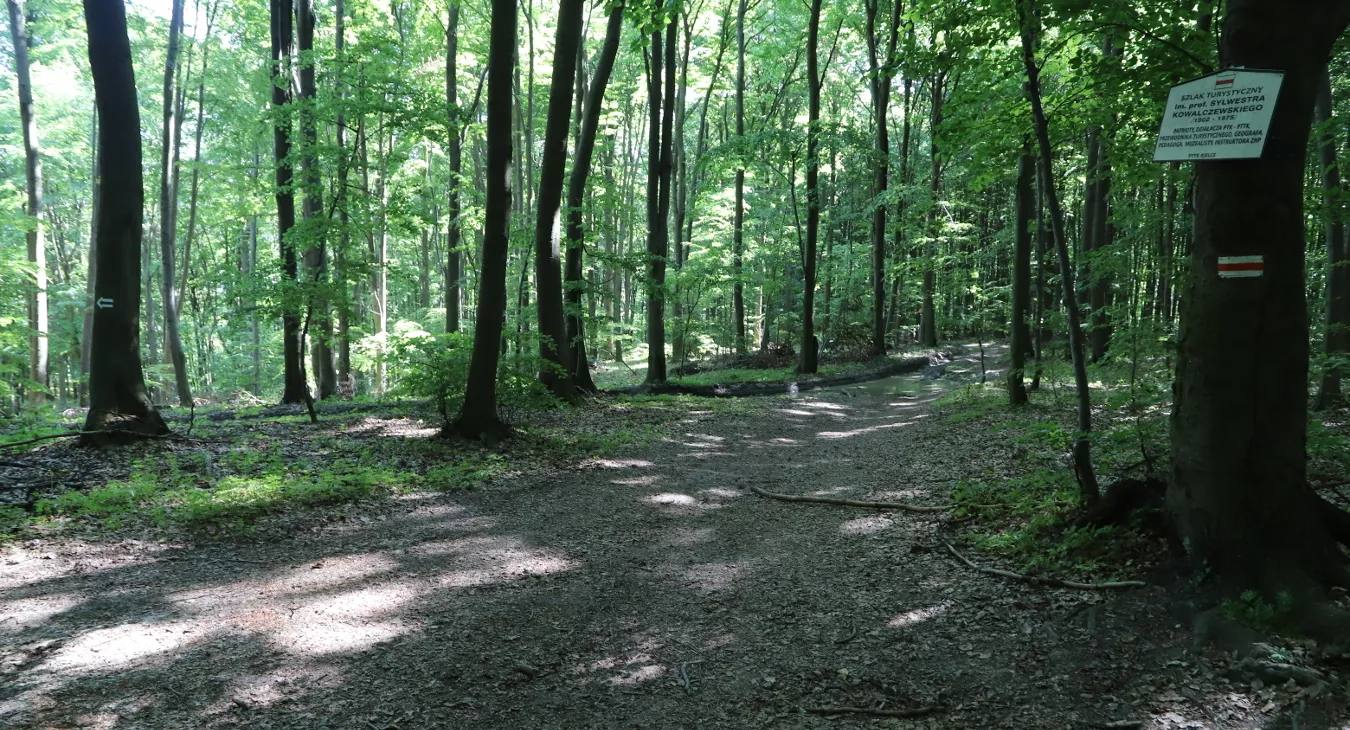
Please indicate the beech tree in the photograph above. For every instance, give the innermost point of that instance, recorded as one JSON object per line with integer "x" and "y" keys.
{"x": 1238, "y": 494}
{"x": 118, "y": 399}
{"x": 37, "y": 248}
{"x": 478, "y": 417}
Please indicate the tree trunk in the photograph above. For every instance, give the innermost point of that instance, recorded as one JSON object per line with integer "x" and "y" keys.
{"x": 928, "y": 316}
{"x": 117, "y": 395}
{"x": 478, "y": 417}
{"x": 810, "y": 346}
{"x": 1082, "y": 446}
{"x": 554, "y": 347}
{"x": 1021, "y": 285}
{"x": 1238, "y": 497}
{"x": 738, "y": 207}
{"x": 38, "y": 364}
{"x": 576, "y": 189}
{"x": 656, "y": 331}
{"x": 294, "y": 389}
{"x": 316, "y": 221}
{"x": 454, "y": 257}
{"x": 168, "y": 209}
{"x": 91, "y": 273}
{"x": 1336, "y": 338}
{"x": 881, "y": 95}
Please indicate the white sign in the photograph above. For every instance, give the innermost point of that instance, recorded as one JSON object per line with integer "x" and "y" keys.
{"x": 1222, "y": 116}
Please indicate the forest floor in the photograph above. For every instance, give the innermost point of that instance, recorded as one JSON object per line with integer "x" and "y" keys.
{"x": 649, "y": 588}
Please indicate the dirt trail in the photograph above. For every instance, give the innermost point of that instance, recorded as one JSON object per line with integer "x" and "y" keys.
{"x": 654, "y": 591}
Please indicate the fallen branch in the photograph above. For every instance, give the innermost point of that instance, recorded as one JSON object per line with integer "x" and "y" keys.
{"x": 916, "y": 712}
{"x": 847, "y": 502}
{"x": 1053, "y": 582}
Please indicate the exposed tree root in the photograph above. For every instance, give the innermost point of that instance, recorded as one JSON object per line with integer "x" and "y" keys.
{"x": 1122, "y": 498}
{"x": 100, "y": 432}
{"x": 1052, "y": 582}
{"x": 916, "y": 712}
{"x": 848, "y": 502}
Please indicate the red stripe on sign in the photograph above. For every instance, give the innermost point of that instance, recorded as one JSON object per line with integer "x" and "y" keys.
{"x": 1225, "y": 82}
{"x": 1255, "y": 266}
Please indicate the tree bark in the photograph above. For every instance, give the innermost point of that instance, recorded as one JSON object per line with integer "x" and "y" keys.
{"x": 1082, "y": 446}
{"x": 478, "y": 417}
{"x": 38, "y": 320}
{"x": 554, "y": 346}
{"x": 117, "y": 394}
{"x": 1238, "y": 497}
{"x": 576, "y": 189}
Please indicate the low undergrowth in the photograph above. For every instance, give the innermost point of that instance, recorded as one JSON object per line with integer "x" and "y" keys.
{"x": 235, "y": 474}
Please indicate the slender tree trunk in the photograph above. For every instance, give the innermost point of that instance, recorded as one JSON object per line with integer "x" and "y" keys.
{"x": 554, "y": 347}
{"x": 38, "y": 361}
{"x": 117, "y": 396}
{"x": 91, "y": 275}
{"x": 738, "y": 209}
{"x": 576, "y": 189}
{"x": 1337, "y": 336}
{"x": 168, "y": 208}
{"x": 316, "y": 220}
{"x": 810, "y": 345}
{"x": 1082, "y": 447}
{"x": 294, "y": 390}
{"x": 344, "y": 305}
{"x": 478, "y": 417}
{"x": 454, "y": 257}
{"x": 881, "y": 95}
{"x": 1021, "y": 288}
{"x": 928, "y": 315}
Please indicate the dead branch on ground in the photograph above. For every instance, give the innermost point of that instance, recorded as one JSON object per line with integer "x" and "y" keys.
{"x": 1052, "y": 582}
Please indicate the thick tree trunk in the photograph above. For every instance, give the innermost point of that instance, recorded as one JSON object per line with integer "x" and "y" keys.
{"x": 1021, "y": 284}
{"x": 117, "y": 395}
{"x": 1336, "y": 338}
{"x": 1082, "y": 446}
{"x": 655, "y": 267}
{"x": 1238, "y": 497}
{"x": 580, "y": 368}
{"x": 478, "y": 417}
{"x": 554, "y": 347}
{"x": 38, "y": 357}
{"x": 344, "y": 304}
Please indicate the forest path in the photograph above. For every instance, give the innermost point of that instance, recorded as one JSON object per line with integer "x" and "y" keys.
{"x": 653, "y": 591}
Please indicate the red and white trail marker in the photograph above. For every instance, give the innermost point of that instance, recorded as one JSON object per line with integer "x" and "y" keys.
{"x": 1241, "y": 267}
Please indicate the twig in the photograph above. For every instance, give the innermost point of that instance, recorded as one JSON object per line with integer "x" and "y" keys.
{"x": 848, "y": 638}
{"x": 1053, "y": 582}
{"x": 916, "y": 712}
{"x": 1120, "y": 724}
{"x": 847, "y": 502}
{"x": 684, "y": 679}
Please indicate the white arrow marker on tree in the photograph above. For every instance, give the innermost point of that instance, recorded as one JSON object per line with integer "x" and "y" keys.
{"x": 104, "y": 302}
